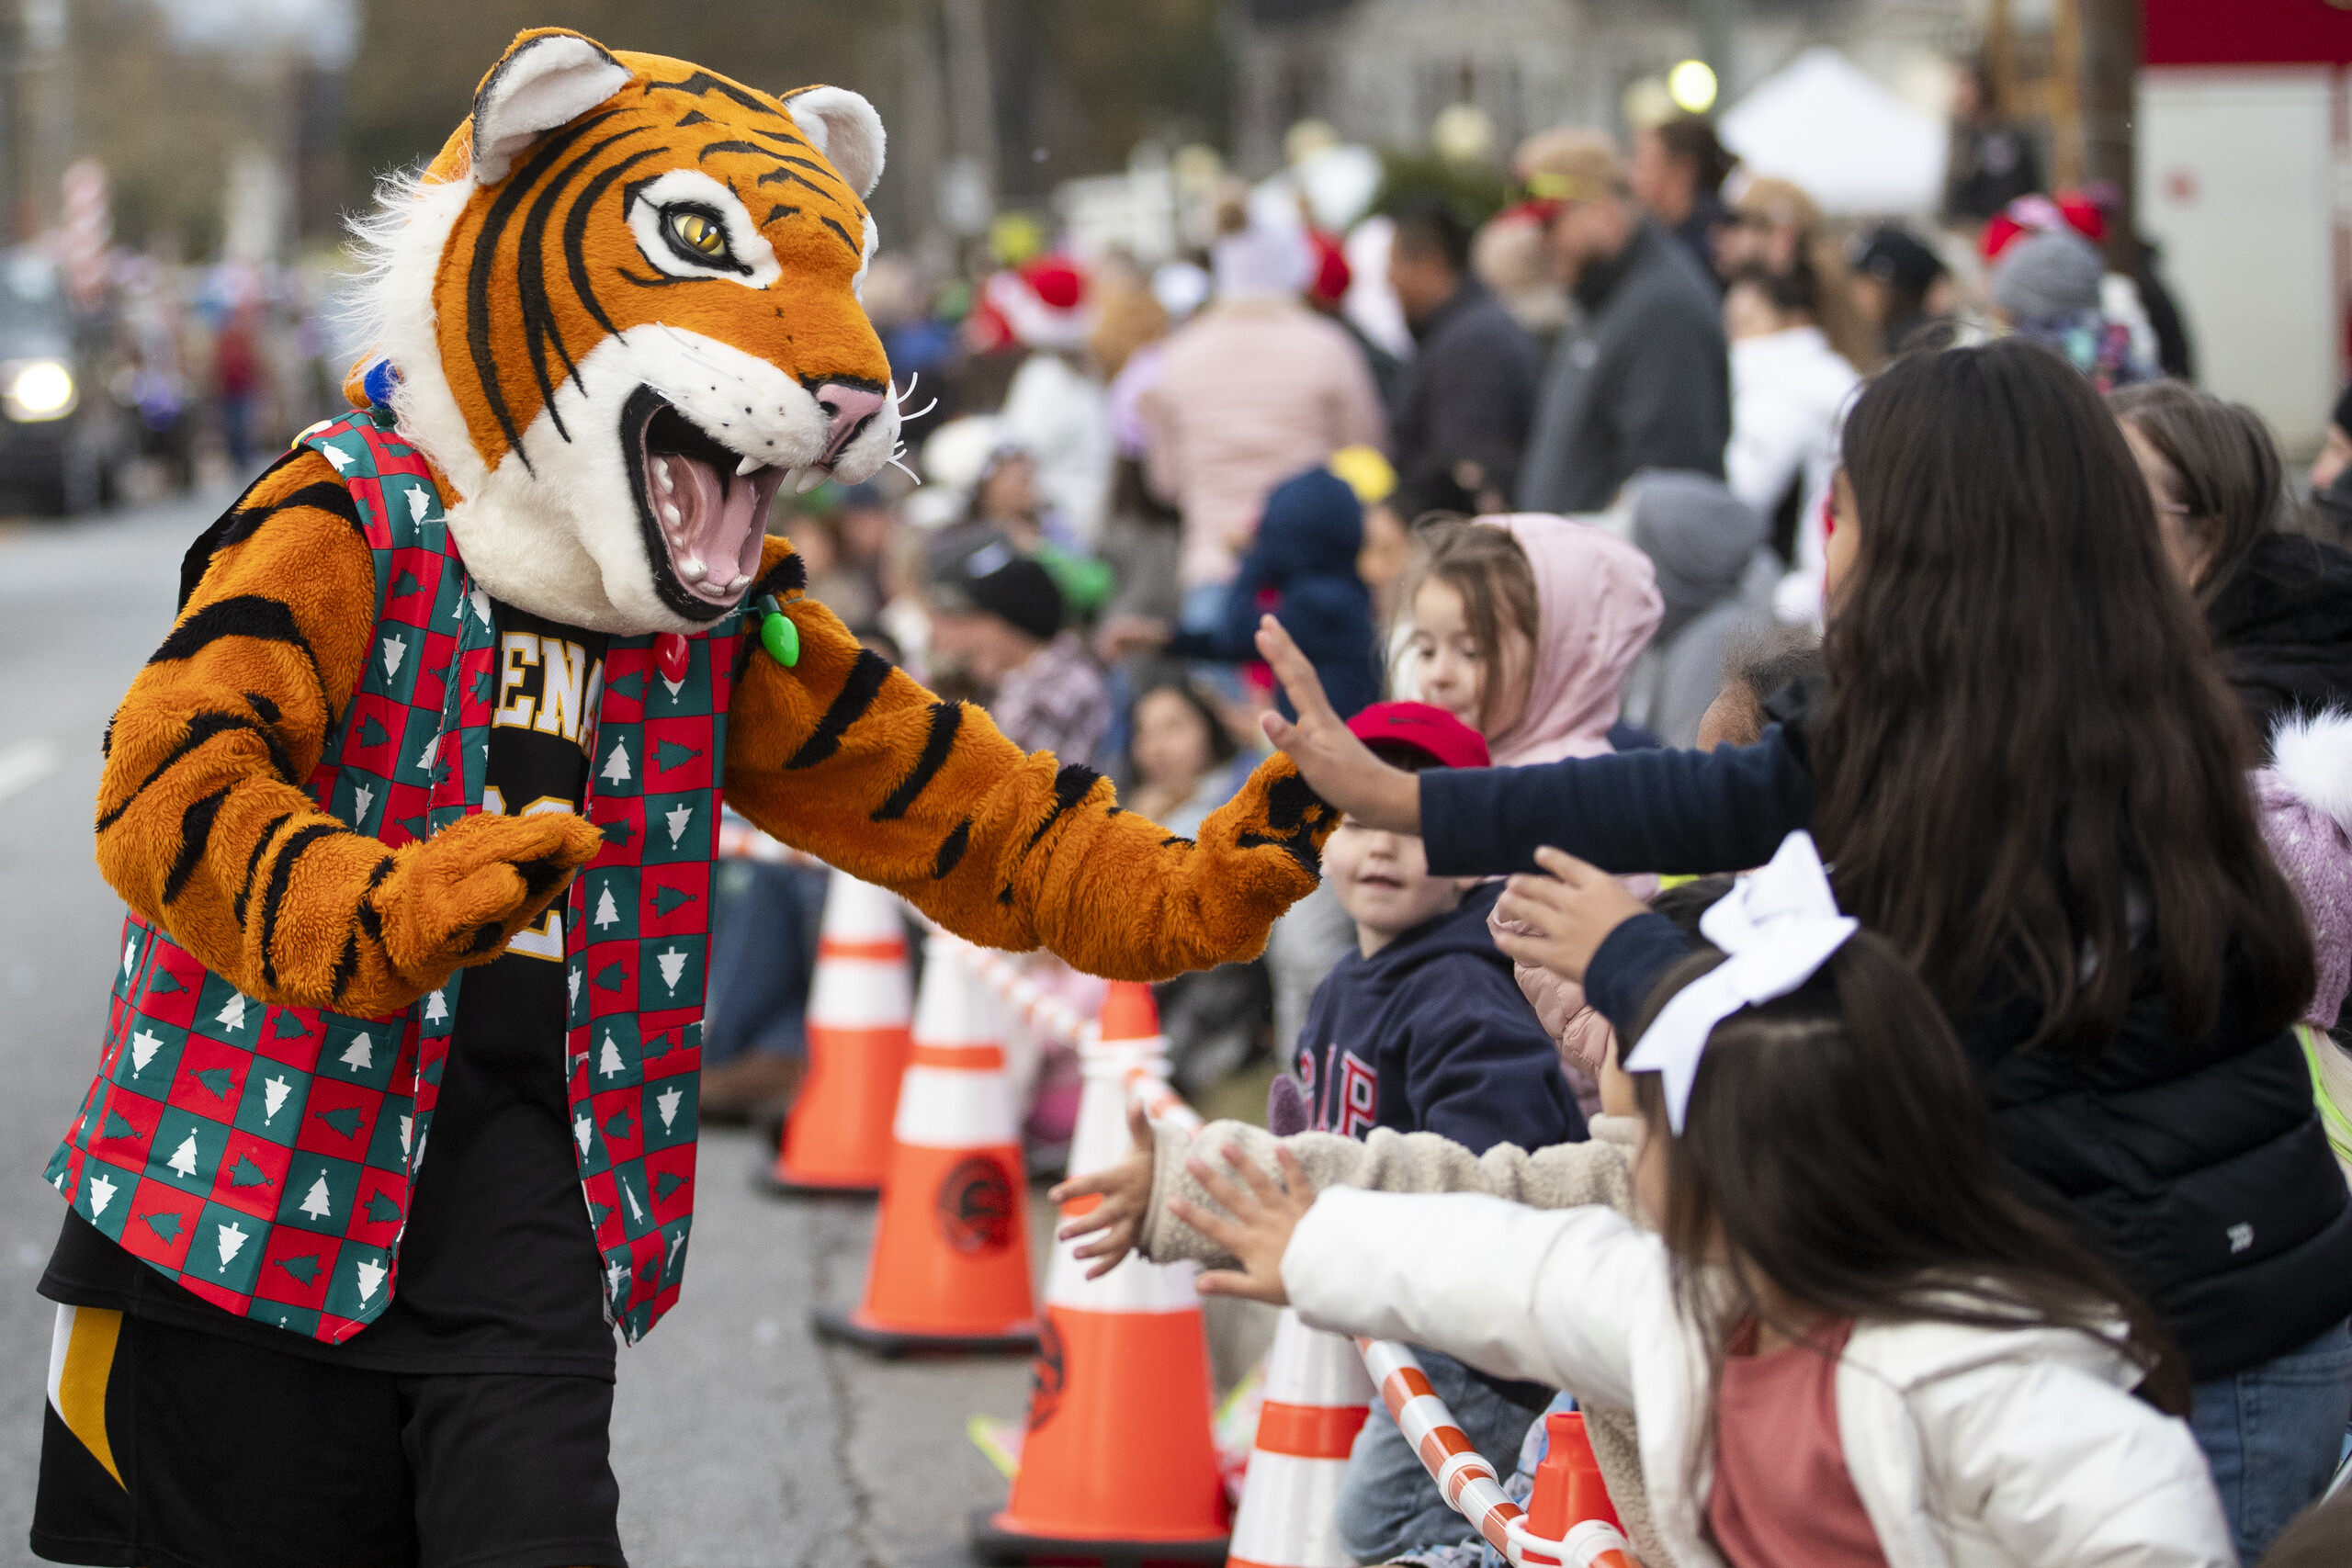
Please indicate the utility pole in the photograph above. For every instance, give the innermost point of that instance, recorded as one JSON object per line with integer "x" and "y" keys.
{"x": 968, "y": 189}
{"x": 1711, "y": 20}
{"x": 2109, "y": 74}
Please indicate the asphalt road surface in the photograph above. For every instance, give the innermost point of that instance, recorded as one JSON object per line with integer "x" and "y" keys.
{"x": 740, "y": 1442}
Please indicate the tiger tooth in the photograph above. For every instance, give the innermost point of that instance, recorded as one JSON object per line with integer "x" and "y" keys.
{"x": 741, "y": 581}
{"x": 748, "y": 465}
{"x": 692, "y": 570}
{"x": 810, "y": 478}
{"x": 670, "y": 513}
{"x": 662, "y": 472}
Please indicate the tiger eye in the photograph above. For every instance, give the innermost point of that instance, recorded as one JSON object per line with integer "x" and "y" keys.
{"x": 699, "y": 232}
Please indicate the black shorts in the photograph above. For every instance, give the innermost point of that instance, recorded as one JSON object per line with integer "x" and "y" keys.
{"x": 166, "y": 1448}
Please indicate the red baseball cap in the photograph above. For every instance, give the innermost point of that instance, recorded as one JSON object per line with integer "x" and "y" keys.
{"x": 1436, "y": 734}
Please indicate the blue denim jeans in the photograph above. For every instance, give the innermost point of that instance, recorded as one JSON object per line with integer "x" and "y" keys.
{"x": 762, "y": 954}
{"x": 1388, "y": 1505}
{"x": 2273, "y": 1434}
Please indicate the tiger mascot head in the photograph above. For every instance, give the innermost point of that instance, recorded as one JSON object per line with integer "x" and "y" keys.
{"x": 620, "y": 310}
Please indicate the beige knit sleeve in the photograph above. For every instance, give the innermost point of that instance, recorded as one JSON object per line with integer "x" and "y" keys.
{"x": 1560, "y": 1176}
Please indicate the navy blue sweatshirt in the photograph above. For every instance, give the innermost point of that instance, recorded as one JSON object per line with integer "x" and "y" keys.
{"x": 2196, "y": 1168}
{"x": 1430, "y": 1034}
{"x": 1305, "y": 552}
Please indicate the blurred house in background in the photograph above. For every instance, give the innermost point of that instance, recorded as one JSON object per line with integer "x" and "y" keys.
{"x": 1384, "y": 71}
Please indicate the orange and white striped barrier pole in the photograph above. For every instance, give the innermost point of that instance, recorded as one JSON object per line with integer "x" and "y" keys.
{"x": 1468, "y": 1482}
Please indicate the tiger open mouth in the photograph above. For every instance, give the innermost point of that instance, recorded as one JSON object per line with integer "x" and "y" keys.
{"x": 703, "y": 507}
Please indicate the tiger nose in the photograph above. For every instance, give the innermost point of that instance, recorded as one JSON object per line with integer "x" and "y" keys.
{"x": 847, "y": 409}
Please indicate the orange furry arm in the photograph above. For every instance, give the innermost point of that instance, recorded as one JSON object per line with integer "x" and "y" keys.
{"x": 203, "y": 827}
{"x": 851, "y": 760}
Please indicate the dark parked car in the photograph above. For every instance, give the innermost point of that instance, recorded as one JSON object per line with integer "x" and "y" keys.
{"x": 62, "y": 437}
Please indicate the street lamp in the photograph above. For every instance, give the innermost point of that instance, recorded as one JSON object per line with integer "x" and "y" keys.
{"x": 1691, "y": 86}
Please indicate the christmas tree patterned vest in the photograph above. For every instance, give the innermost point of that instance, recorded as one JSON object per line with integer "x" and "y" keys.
{"x": 263, "y": 1156}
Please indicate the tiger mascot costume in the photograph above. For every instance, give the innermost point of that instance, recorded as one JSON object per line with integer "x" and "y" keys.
{"x": 415, "y": 810}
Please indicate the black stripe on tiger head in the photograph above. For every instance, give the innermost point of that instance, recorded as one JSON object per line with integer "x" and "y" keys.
{"x": 702, "y": 84}
{"x": 541, "y": 329}
{"x": 482, "y": 270}
{"x": 575, "y": 233}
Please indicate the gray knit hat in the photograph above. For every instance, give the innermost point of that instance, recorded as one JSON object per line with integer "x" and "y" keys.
{"x": 2045, "y": 275}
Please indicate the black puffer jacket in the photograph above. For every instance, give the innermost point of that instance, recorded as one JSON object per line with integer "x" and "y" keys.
{"x": 2282, "y": 625}
{"x": 2197, "y": 1170}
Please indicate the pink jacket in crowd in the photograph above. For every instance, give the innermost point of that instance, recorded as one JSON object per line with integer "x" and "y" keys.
{"x": 1253, "y": 390}
{"x": 1597, "y": 605}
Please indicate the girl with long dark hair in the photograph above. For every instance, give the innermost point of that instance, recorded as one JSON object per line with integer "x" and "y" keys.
{"x": 1856, "y": 1348}
{"x": 2032, "y": 783}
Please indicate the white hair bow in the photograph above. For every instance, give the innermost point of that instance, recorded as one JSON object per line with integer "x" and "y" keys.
{"x": 1778, "y": 926}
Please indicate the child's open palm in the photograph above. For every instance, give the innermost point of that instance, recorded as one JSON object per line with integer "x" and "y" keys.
{"x": 1259, "y": 1214}
{"x": 1125, "y": 1190}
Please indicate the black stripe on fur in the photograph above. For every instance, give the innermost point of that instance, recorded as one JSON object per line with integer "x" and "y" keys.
{"x": 346, "y": 966}
{"x": 252, "y": 863}
{"x": 196, "y": 832}
{"x": 246, "y": 615}
{"x": 938, "y": 741}
{"x": 857, "y": 694}
{"x": 1071, "y": 786}
{"x": 952, "y": 850}
{"x": 281, "y": 872}
{"x": 326, "y": 495}
{"x": 789, "y": 575}
{"x": 369, "y": 920}
{"x": 201, "y": 727}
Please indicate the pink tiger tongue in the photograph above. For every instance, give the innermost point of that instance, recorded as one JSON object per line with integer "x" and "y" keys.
{"x": 717, "y": 524}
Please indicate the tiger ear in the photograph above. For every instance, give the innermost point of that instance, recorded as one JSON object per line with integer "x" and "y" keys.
{"x": 845, "y": 129}
{"x": 548, "y": 77}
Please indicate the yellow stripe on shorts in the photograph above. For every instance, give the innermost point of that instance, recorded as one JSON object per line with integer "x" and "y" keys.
{"x": 81, "y": 1359}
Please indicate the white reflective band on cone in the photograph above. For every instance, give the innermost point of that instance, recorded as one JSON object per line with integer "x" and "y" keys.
{"x": 860, "y": 993}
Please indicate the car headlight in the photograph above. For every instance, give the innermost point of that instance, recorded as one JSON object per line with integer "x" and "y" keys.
{"x": 34, "y": 390}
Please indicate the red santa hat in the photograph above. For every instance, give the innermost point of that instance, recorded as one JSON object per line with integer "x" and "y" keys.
{"x": 1044, "y": 302}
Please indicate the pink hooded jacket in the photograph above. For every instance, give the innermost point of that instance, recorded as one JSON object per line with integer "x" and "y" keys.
{"x": 1597, "y": 605}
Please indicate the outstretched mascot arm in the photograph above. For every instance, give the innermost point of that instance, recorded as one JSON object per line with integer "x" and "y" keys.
{"x": 848, "y": 758}
{"x": 202, "y": 824}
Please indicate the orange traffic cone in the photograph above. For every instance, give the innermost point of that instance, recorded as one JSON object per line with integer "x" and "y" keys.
{"x": 1318, "y": 1395}
{"x": 1570, "y": 1503}
{"x": 837, "y": 1139}
{"x": 1118, "y": 1462}
{"x": 950, "y": 1265}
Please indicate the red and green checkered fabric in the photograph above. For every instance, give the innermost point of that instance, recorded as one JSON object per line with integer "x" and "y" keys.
{"x": 262, "y": 1156}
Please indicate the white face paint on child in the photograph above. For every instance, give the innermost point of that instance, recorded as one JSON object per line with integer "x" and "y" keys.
{"x": 1453, "y": 669}
{"x": 1382, "y": 881}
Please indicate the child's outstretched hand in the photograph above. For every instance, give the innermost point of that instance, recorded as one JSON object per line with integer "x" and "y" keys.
{"x": 1335, "y": 764}
{"x": 1568, "y": 913}
{"x": 1125, "y": 1190}
{"x": 1263, "y": 1214}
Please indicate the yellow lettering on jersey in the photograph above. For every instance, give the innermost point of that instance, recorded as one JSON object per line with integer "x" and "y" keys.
{"x": 517, "y": 653}
{"x": 559, "y": 700}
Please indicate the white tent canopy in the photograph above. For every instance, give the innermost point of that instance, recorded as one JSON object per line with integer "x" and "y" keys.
{"x": 1828, "y": 126}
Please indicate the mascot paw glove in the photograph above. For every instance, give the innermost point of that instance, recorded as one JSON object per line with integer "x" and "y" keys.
{"x": 456, "y": 898}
